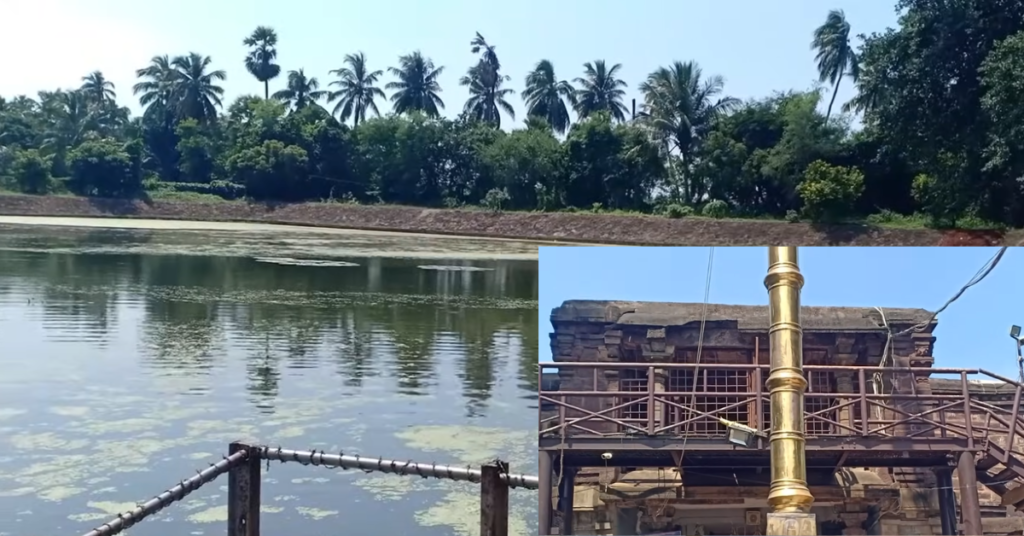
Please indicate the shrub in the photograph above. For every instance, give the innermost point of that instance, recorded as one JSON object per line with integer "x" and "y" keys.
{"x": 495, "y": 198}
{"x": 716, "y": 208}
{"x": 829, "y": 192}
{"x": 676, "y": 210}
{"x": 31, "y": 172}
{"x": 792, "y": 216}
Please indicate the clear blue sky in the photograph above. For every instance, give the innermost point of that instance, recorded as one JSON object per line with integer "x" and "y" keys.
{"x": 972, "y": 332}
{"x": 758, "y": 47}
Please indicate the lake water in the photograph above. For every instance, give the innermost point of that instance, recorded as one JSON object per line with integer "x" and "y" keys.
{"x": 131, "y": 357}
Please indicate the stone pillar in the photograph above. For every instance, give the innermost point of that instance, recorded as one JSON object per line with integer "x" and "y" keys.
{"x": 922, "y": 360}
{"x": 660, "y": 386}
{"x": 611, "y": 379}
{"x": 846, "y": 382}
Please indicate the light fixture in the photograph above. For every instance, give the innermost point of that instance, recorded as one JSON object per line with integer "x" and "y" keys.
{"x": 1015, "y": 333}
{"x": 740, "y": 434}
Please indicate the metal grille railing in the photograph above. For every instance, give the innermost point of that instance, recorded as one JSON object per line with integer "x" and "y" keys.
{"x": 735, "y": 392}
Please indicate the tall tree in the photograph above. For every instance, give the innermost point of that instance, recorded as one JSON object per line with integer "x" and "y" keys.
{"x": 416, "y": 88}
{"x": 70, "y": 118}
{"x": 97, "y": 89}
{"x": 546, "y": 96}
{"x": 486, "y": 96}
{"x": 156, "y": 88}
{"x": 484, "y": 80}
{"x": 357, "y": 89}
{"x": 681, "y": 105}
{"x": 301, "y": 91}
{"x": 259, "y": 62}
{"x": 600, "y": 90}
{"x": 195, "y": 89}
{"x": 835, "y": 55}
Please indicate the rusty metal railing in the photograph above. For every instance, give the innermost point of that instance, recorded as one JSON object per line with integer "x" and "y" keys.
{"x": 601, "y": 400}
{"x": 244, "y": 462}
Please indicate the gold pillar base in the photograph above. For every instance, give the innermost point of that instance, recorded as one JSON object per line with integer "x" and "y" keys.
{"x": 792, "y": 524}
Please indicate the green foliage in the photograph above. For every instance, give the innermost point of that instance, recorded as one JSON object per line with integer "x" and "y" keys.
{"x": 195, "y": 152}
{"x": 105, "y": 168}
{"x": 792, "y": 216}
{"x": 716, "y": 208}
{"x": 31, "y": 172}
{"x": 941, "y": 136}
{"x": 830, "y": 192}
{"x": 495, "y": 198}
{"x": 675, "y": 210}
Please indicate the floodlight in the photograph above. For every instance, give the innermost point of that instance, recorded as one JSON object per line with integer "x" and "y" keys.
{"x": 740, "y": 434}
{"x": 1015, "y": 332}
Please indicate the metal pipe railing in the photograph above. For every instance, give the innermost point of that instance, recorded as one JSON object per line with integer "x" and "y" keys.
{"x": 485, "y": 476}
{"x": 424, "y": 470}
{"x": 169, "y": 497}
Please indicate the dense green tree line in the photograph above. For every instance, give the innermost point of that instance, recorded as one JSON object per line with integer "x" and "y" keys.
{"x": 934, "y": 129}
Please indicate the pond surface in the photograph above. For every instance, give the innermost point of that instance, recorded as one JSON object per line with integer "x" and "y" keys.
{"x": 131, "y": 357}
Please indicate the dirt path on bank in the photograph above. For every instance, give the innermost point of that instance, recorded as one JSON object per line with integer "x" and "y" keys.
{"x": 584, "y": 228}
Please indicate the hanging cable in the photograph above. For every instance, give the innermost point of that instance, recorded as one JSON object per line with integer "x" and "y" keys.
{"x": 700, "y": 348}
{"x": 981, "y": 274}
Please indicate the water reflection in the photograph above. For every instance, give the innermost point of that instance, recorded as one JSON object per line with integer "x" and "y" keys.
{"x": 132, "y": 356}
{"x": 395, "y": 316}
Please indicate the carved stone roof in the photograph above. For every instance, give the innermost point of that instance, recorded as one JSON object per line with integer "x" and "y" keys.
{"x": 745, "y": 317}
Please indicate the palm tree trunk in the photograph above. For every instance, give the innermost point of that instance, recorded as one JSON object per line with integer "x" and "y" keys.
{"x": 835, "y": 91}
{"x": 266, "y": 90}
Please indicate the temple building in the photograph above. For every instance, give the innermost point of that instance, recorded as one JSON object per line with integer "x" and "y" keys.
{"x": 655, "y": 419}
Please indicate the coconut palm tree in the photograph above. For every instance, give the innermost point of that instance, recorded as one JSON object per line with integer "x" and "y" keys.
{"x": 195, "y": 91}
{"x": 835, "y": 55}
{"x": 97, "y": 89}
{"x": 70, "y": 118}
{"x": 156, "y": 88}
{"x": 486, "y": 96}
{"x": 484, "y": 80}
{"x": 357, "y": 89}
{"x": 259, "y": 62}
{"x": 487, "y": 53}
{"x": 301, "y": 91}
{"x": 600, "y": 91}
{"x": 416, "y": 88}
{"x": 681, "y": 105}
{"x": 546, "y": 96}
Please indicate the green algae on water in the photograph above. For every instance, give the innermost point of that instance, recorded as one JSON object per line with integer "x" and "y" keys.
{"x": 315, "y": 513}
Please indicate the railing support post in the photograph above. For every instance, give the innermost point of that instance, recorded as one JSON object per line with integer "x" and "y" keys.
{"x": 970, "y": 505}
{"x": 493, "y": 500}
{"x": 545, "y": 488}
{"x": 244, "y": 493}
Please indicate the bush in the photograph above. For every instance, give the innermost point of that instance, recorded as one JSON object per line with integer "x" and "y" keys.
{"x": 676, "y": 210}
{"x": 105, "y": 168}
{"x": 830, "y": 192}
{"x": 792, "y": 216}
{"x": 495, "y": 198}
{"x": 716, "y": 208}
{"x": 31, "y": 172}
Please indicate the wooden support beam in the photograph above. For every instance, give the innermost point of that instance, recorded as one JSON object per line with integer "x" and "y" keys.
{"x": 493, "y": 500}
